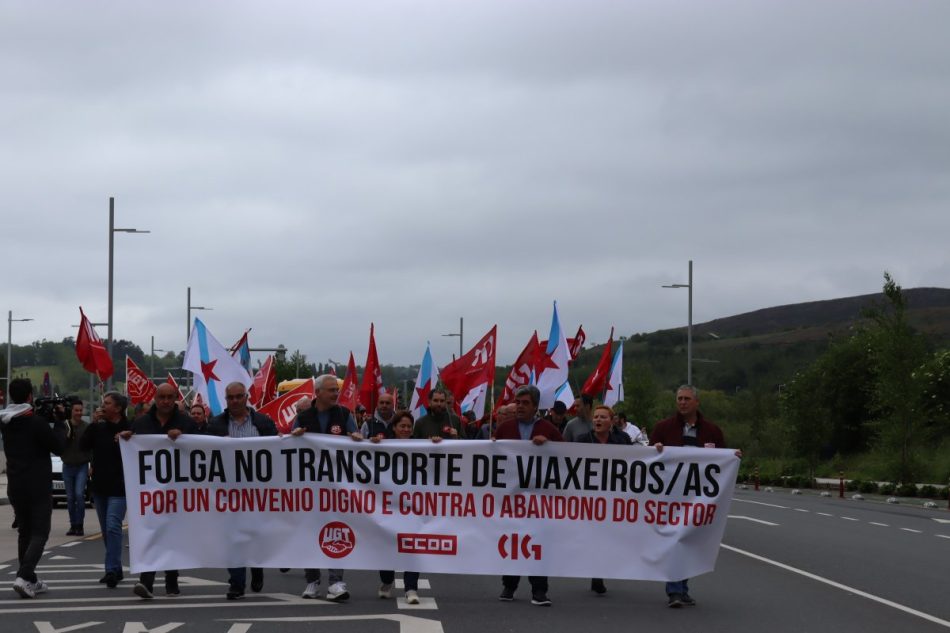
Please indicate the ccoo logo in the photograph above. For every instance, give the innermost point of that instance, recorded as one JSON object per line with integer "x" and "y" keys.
{"x": 337, "y": 539}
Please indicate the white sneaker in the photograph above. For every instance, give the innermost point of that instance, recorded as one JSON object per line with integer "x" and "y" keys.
{"x": 412, "y": 597}
{"x": 312, "y": 590}
{"x": 24, "y": 588}
{"x": 337, "y": 592}
{"x": 40, "y": 587}
{"x": 385, "y": 590}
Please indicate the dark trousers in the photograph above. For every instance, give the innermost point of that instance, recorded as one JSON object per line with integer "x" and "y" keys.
{"x": 409, "y": 578}
{"x": 237, "y": 576}
{"x": 147, "y": 578}
{"x": 33, "y": 514}
{"x": 539, "y": 584}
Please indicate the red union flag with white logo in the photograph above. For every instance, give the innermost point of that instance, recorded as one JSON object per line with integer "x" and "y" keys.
{"x": 469, "y": 377}
{"x": 283, "y": 410}
{"x": 138, "y": 385}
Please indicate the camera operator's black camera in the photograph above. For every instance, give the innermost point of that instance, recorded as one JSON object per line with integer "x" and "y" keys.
{"x": 55, "y": 409}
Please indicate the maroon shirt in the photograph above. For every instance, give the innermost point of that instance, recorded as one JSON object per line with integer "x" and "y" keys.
{"x": 669, "y": 432}
{"x": 509, "y": 431}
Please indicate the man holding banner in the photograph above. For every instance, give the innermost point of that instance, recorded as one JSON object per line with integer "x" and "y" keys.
{"x": 326, "y": 416}
{"x": 687, "y": 427}
{"x": 239, "y": 420}
{"x": 163, "y": 418}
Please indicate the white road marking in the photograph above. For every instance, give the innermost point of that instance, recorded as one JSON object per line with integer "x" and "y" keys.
{"x": 825, "y": 514}
{"x": 801, "y": 510}
{"x": 427, "y": 604}
{"x": 61, "y": 557}
{"x": 406, "y": 622}
{"x": 282, "y": 599}
{"x": 914, "y": 531}
{"x": 940, "y": 520}
{"x": 760, "y": 503}
{"x": 423, "y": 583}
{"x": 941, "y": 536}
{"x": 849, "y": 518}
{"x": 838, "y": 585}
{"x": 879, "y": 524}
{"x": 128, "y": 597}
{"x": 738, "y": 516}
{"x": 71, "y": 544}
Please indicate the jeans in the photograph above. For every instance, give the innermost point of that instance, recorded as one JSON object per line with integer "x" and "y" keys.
{"x": 33, "y": 515}
{"x": 111, "y": 511}
{"x": 679, "y": 586}
{"x": 409, "y": 578}
{"x": 237, "y": 576}
{"x": 313, "y": 575}
{"x": 74, "y": 479}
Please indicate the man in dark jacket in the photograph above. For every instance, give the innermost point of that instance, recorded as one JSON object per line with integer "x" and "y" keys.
{"x": 163, "y": 418}
{"x": 108, "y": 482}
{"x": 687, "y": 427}
{"x": 76, "y": 470}
{"x": 438, "y": 422}
{"x": 240, "y": 420}
{"x": 28, "y": 441}
{"x": 527, "y": 426}
{"x": 326, "y": 416}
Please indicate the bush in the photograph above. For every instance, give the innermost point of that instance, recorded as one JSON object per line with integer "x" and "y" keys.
{"x": 928, "y": 492}
{"x": 907, "y": 490}
{"x": 887, "y": 488}
{"x": 868, "y": 487}
{"x": 854, "y": 485}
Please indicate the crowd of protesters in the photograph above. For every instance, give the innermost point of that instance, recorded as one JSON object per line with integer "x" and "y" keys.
{"x": 93, "y": 448}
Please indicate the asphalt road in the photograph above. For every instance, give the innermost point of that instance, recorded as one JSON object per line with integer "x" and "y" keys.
{"x": 846, "y": 566}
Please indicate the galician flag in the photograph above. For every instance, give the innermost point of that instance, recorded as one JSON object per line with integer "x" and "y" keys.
{"x": 614, "y": 393}
{"x": 566, "y": 395}
{"x": 212, "y": 366}
{"x": 426, "y": 379}
{"x": 552, "y": 365}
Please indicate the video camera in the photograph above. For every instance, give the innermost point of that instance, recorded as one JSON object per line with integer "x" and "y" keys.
{"x": 55, "y": 409}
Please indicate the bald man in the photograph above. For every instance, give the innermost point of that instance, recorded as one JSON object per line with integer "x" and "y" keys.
{"x": 164, "y": 417}
{"x": 380, "y": 425}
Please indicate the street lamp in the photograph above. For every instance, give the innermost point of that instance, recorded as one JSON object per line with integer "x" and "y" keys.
{"x": 458, "y": 334}
{"x": 190, "y": 309}
{"x": 10, "y": 322}
{"x": 689, "y": 327}
{"x": 151, "y": 366}
{"x": 112, "y": 232}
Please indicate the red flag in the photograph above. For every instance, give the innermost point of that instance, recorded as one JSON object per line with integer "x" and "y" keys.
{"x": 171, "y": 381}
{"x": 137, "y": 384}
{"x": 597, "y": 380}
{"x": 265, "y": 384}
{"x": 47, "y": 388}
{"x": 91, "y": 352}
{"x": 576, "y": 344}
{"x": 282, "y": 410}
{"x": 349, "y": 394}
{"x": 521, "y": 371}
{"x": 372, "y": 386}
{"x": 469, "y": 377}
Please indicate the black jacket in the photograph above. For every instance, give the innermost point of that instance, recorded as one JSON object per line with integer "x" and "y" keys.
{"x": 148, "y": 424}
{"x": 218, "y": 425}
{"x": 309, "y": 421}
{"x": 108, "y": 478}
{"x": 28, "y": 441}
{"x": 614, "y": 437}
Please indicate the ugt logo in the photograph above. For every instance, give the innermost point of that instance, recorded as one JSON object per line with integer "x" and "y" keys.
{"x": 337, "y": 539}
{"x": 513, "y": 545}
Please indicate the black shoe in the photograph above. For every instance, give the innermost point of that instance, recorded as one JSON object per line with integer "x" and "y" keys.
{"x": 675, "y": 601}
{"x": 235, "y": 593}
{"x": 72, "y": 531}
{"x": 105, "y": 578}
{"x": 284, "y": 570}
{"x": 687, "y": 601}
{"x": 507, "y": 594}
{"x": 171, "y": 587}
{"x": 540, "y": 600}
{"x": 79, "y": 531}
{"x": 142, "y": 591}
{"x": 597, "y": 586}
{"x": 112, "y": 580}
{"x": 257, "y": 580}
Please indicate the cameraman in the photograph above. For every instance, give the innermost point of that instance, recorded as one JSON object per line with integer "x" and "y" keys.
{"x": 28, "y": 441}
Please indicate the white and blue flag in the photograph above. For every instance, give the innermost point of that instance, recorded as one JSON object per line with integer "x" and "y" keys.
{"x": 212, "y": 366}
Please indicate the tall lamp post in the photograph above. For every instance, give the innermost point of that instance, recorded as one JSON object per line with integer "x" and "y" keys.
{"x": 689, "y": 327}
{"x": 10, "y": 322}
{"x": 151, "y": 367}
{"x": 458, "y": 334}
{"x": 191, "y": 309}
{"x": 112, "y": 232}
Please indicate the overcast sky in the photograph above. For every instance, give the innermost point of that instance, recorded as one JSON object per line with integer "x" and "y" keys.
{"x": 310, "y": 167}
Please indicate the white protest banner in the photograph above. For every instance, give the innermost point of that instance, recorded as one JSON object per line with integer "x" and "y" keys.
{"x": 476, "y": 507}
